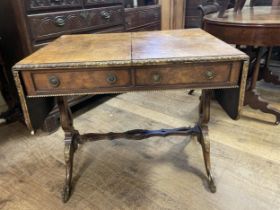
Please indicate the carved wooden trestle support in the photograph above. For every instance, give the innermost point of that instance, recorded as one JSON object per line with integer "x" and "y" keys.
{"x": 268, "y": 76}
{"x": 203, "y": 138}
{"x": 73, "y": 138}
{"x": 71, "y": 143}
{"x": 253, "y": 99}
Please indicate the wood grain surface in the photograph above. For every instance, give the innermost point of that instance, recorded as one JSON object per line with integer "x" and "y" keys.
{"x": 151, "y": 174}
{"x": 249, "y": 16}
{"x": 84, "y": 48}
{"x": 122, "y": 49}
{"x": 181, "y": 44}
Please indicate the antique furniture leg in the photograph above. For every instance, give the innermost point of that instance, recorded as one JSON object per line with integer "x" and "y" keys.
{"x": 203, "y": 138}
{"x": 253, "y": 99}
{"x": 71, "y": 143}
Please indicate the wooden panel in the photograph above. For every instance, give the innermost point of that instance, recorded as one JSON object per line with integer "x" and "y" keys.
{"x": 45, "y": 26}
{"x": 36, "y": 5}
{"x": 141, "y": 16}
{"x": 114, "y": 29}
{"x": 150, "y": 27}
{"x": 193, "y": 22}
{"x": 102, "y": 2}
{"x": 193, "y": 15}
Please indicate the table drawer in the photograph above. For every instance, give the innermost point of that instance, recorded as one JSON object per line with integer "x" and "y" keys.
{"x": 37, "y": 5}
{"x": 191, "y": 74}
{"x": 75, "y": 81}
{"x": 102, "y": 2}
{"x": 50, "y": 25}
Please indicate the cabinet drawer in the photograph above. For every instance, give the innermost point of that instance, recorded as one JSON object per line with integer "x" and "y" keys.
{"x": 37, "y": 5}
{"x": 102, "y": 2}
{"x": 192, "y": 74}
{"x": 57, "y": 81}
{"x": 137, "y": 17}
{"x": 51, "y": 25}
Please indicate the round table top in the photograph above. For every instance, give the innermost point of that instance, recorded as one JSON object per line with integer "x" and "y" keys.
{"x": 258, "y": 15}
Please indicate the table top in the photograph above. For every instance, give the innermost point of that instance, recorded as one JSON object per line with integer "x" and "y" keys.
{"x": 259, "y": 15}
{"x": 126, "y": 49}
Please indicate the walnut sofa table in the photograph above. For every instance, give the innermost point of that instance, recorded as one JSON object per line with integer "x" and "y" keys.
{"x": 123, "y": 62}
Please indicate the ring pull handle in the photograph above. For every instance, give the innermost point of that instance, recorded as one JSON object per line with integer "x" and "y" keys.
{"x": 111, "y": 79}
{"x": 209, "y": 74}
{"x": 54, "y": 81}
{"x": 106, "y": 15}
{"x": 59, "y": 21}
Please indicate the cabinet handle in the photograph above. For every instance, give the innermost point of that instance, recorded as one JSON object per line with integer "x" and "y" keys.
{"x": 156, "y": 77}
{"x": 111, "y": 79}
{"x": 106, "y": 15}
{"x": 210, "y": 75}
{"x": 54, "y": 81}
{"x": 59, "y": 21}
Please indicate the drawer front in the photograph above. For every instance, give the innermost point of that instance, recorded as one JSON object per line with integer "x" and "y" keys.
{"x": 137, "y": 17}
{"x": 112, "y": 80}
{"x": 51, "y": 25}
{"x": 192, "y": 75}
{"x": 75, "y": 81}
{"x": 36, "y": 5}
{"x": 102, "y": 2}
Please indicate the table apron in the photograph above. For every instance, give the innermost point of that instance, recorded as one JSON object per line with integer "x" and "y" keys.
{"x": 54, "y": 82}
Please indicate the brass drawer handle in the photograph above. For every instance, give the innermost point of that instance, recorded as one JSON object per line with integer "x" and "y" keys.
{"x": 54, "y": 81}
{"x": 106, "y": 15}
{"x": 210, "y": 75}
{"x": 59, "y": 21}
{"x": 156, "y": 77}
{"x": 111, "y": 79}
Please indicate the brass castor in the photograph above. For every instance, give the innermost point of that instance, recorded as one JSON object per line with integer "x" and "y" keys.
{"x": 66, "y": 193}
{"x": 212, "y": 185}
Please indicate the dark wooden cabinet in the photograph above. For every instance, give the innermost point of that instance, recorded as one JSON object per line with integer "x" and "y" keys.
{"x": 51, "y": 25}
{"x": 142, "y": 15}
{"x": 27, "y": 25}
{"x": 145, "y": 18}
{"x": 193, "y": 15}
